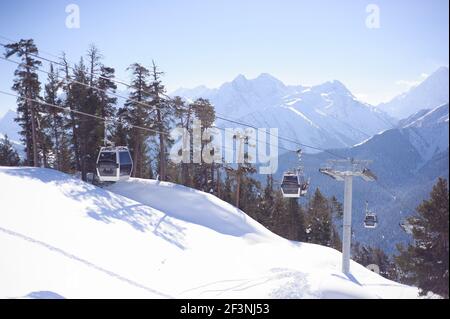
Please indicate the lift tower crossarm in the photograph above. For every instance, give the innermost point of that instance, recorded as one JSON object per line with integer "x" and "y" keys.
{"x": 344, "y": 171}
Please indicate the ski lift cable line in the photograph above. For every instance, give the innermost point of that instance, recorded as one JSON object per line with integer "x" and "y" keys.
{"x": 170, "y": 99}
{"x": 106, "y": 120}
{"x": 65, "y": 109}
{"x": 112, "y": 93}
{"x": 115, "y": 79}
{"x": 81, "y": 83}
{"x": 154, "y": 107}
{"x": 105, "y": 91}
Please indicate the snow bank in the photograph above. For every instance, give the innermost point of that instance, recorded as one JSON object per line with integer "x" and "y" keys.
{"x": 62, "y": 238}
{"x": 192, "y": 206}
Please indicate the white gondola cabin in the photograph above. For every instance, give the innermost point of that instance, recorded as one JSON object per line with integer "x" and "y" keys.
{"x": 114, "y": 163}
{"x": 370, "y": 221}
{"x": 293, "y": 185}
{"x": 370, "y": 218}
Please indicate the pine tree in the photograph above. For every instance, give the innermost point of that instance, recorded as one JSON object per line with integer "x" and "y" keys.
{"x": 72, "y": 126}
{"x": 8, "y": 155}
{"x": 227, "y": 194}
{"x": 337, "y": 207}
{"x": 162, "y": 119}
{"x": 184, "y": 114}
{"x": 83, "y": 135}
{"x": 337, "y": 213}
{"x": 27, "y": 86}
{"x": 105, "y": 103}
{"x": 279, "y": 214}
{"x": 136, "y": 111}
{"x": 267, "y": 204}
{"x": 101, "y": 82}
{"x": 204, "y": 175}
{"x": 98, "y": 102}
{"x": 425, "y": 262}
{"x": 296, "y": 229}
{"x": 86, "y": 90}
{"x": 54, "y": 118}
{"x": 368, "y": 255}
{"x": 121, "y": 132}
{"x": 320, "y": 228}
{"x": 251, "y": 197}
{"x": 65, "y": 155}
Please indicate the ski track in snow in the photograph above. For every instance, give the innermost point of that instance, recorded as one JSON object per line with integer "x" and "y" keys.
{"x": 85, "y": 262}
{"x": 296, "y": 285}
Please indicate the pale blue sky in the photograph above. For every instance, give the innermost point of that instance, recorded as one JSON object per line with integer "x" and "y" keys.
{"x": 209, "y": 42}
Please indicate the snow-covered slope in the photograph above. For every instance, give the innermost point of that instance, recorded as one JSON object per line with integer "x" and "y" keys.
{"x": 426, "y": 131}
{"x": 60, "y": 237}
{"x": 432, "y": 92}
{"x": 429, "y": 133}
{"x": 326, "y": 115}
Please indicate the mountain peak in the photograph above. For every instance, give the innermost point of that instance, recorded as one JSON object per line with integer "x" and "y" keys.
{"x": 9, "y": 126}
{"x": 332, "y": 86}
{"x": 266, "y": 76}
{"x": 9, "y": 114}
{"x": 442, "y": 70}
{"x": 239, "y": 78}
{"x": 439, "y": 76}
{"x": 431, "y": 93}
{"x": 262, "y": 78}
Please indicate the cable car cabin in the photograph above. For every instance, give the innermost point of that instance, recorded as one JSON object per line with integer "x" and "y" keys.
{"x": 370, "y": 220}
{"x": 114, "y": 164}
{"x": 293, "y": 186}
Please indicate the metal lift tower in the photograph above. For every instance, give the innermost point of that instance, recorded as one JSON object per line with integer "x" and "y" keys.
{"x": 344, "y": 171}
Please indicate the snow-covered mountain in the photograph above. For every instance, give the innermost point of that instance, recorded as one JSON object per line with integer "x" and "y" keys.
{"x": 429, "y": 133}
{"x": 326, "y": 115}
{"x": 149, "y": 239}
{"x": 10, "y": 127}
{"x": 432, "y": 92}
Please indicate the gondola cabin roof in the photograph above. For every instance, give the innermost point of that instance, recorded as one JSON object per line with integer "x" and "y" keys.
{"x": 114, "y": 149}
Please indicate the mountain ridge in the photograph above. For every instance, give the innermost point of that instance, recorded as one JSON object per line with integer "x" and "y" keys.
{"x": 326, "y": 115}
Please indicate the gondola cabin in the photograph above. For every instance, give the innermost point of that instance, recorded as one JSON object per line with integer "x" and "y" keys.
{"x": 114, "y": 163}
{"x": 292, "y": 185}
{"x": 370, "y": 220}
